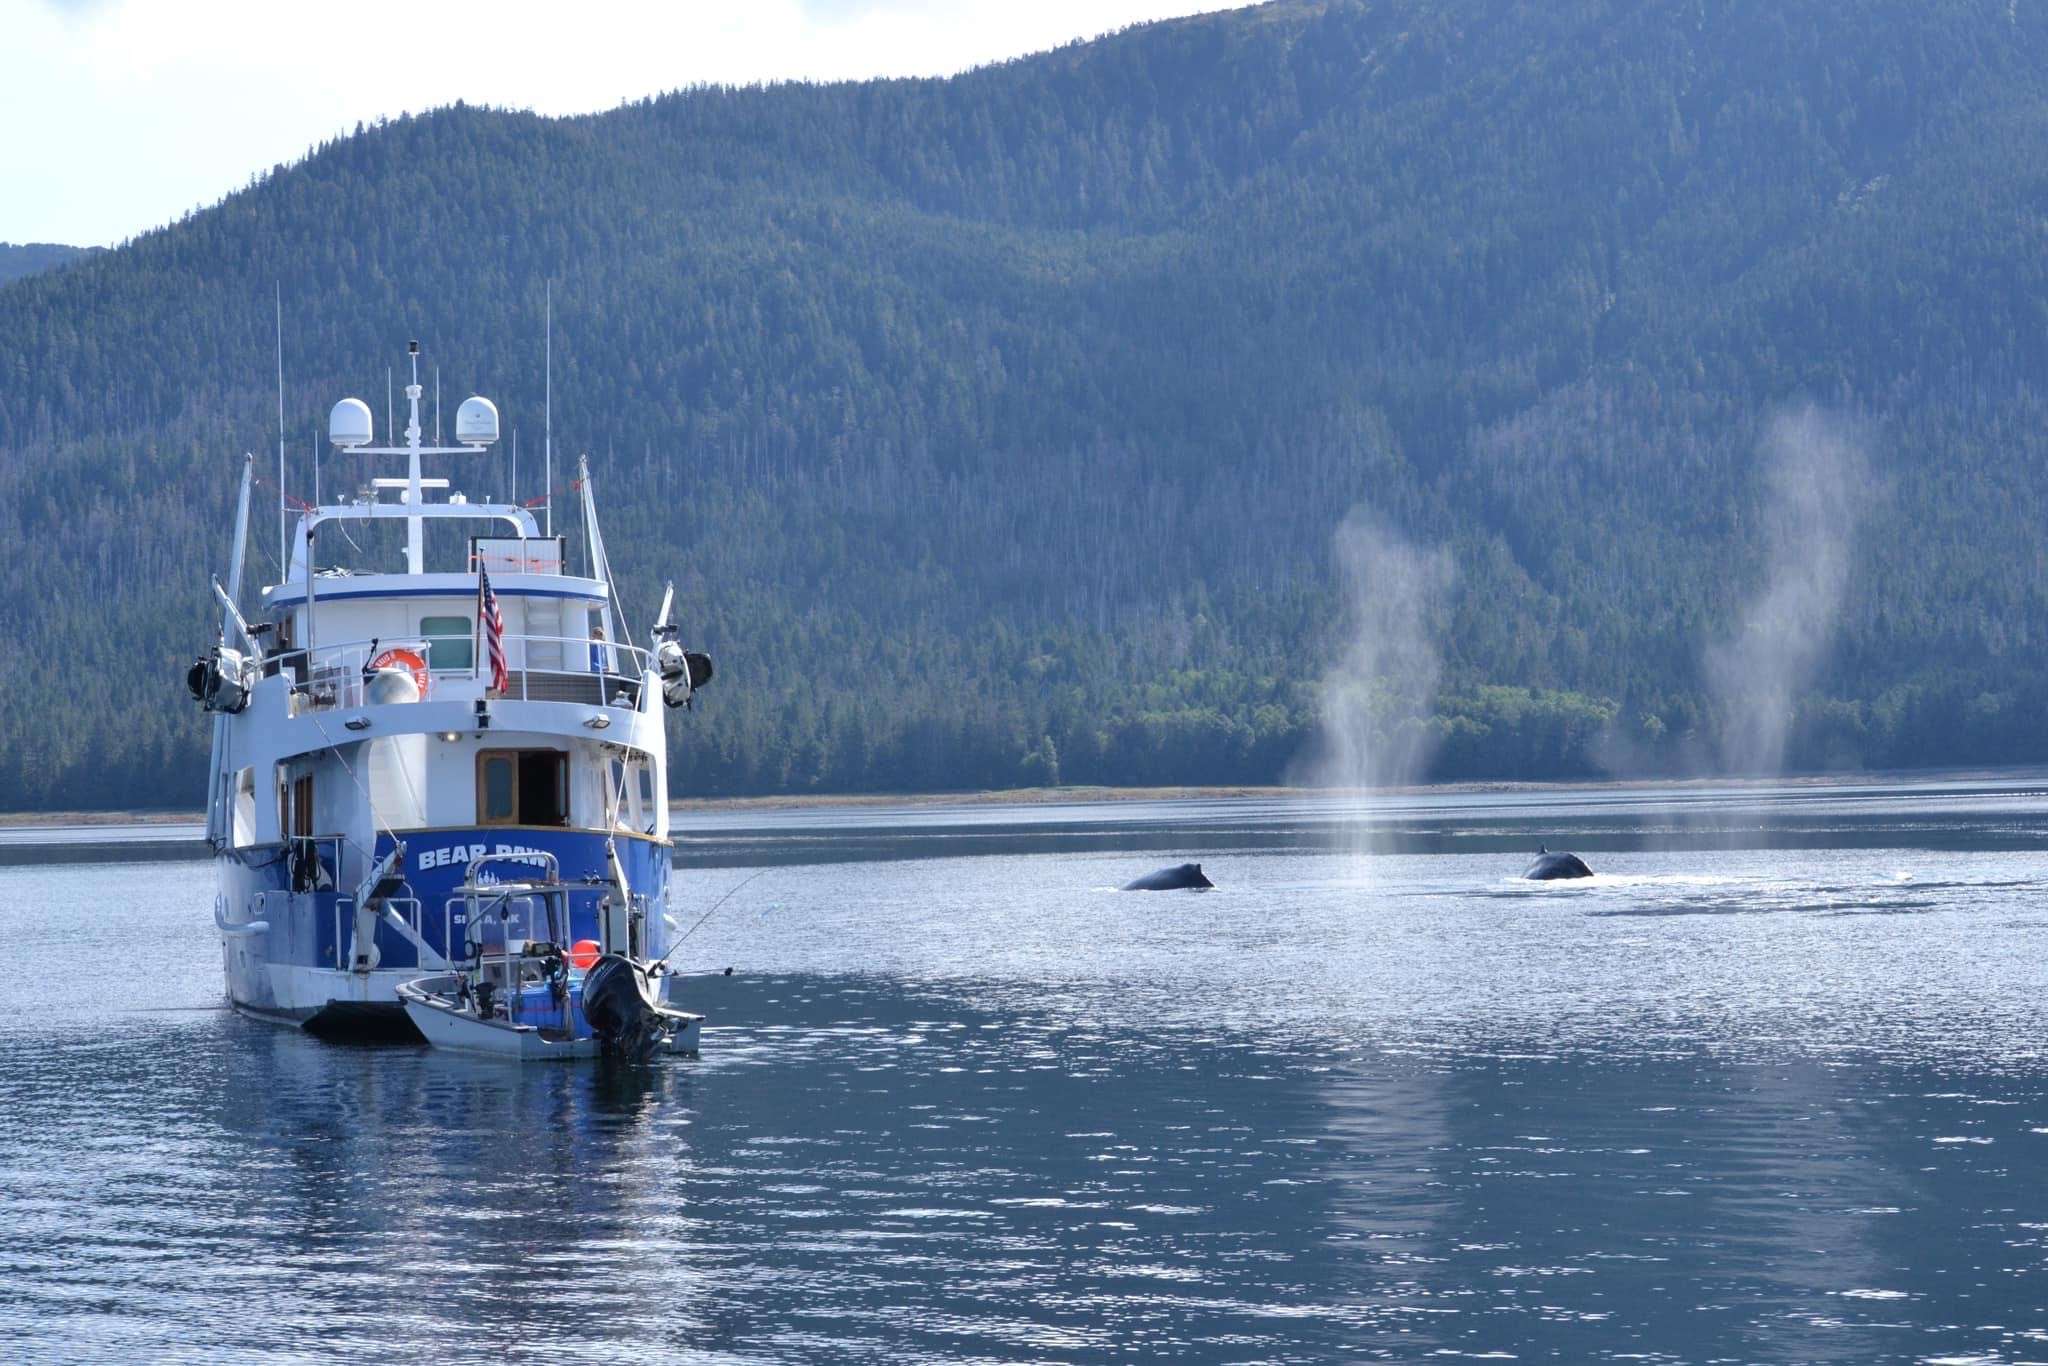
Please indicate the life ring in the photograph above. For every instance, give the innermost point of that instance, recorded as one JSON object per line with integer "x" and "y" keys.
{"x": 398, "y": 657}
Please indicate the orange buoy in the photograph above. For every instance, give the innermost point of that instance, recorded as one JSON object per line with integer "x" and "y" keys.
{"x": 398, "y": 657}
{"x": 583, "y": 953}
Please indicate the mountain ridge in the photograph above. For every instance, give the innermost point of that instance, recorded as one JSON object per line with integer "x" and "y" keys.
{"x": 20, "y": 259}
{"x": 999, "y": 425}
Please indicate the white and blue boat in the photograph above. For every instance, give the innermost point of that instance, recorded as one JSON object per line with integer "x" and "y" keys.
{"x": 382, "y": 730}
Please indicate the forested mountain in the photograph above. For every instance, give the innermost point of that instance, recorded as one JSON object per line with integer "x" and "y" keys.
{"x": 997, "y": 428}
{"x": 27, "y": 258}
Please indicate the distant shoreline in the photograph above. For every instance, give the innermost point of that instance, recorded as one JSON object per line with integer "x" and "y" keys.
{"x": 1047, "y": 796}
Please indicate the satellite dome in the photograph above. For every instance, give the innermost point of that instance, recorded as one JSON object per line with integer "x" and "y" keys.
{"x": 388, "y": 686}
{"x": 349, "y": 423}
{"x": 476, "y": 422}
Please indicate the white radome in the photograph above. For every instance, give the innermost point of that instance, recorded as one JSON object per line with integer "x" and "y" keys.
{"x": 476, "y": 422}
{"x": 349, "y": 423}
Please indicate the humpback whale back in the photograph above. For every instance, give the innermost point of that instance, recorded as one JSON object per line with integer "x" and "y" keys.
{"x": 1180, "y": 877}
{"x": 1549, "y": 867}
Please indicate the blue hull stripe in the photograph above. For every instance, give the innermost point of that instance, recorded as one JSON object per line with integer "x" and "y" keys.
{"x": 341, "y": 594}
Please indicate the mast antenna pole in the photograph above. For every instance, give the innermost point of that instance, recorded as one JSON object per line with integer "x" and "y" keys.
{"x": 283, "y": 516}
{"x": 415, "y": 541}
{"x": 547, "y": 408}
{"x": 437, "y": 403}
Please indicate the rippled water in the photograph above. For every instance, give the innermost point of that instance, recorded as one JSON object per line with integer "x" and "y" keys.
{"x": 1769, "y": 1088}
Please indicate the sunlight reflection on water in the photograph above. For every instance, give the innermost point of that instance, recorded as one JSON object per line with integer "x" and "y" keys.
{"x": 1760, "y": 1101}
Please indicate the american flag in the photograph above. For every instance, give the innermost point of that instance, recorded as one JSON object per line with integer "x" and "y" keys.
{"x": 493, "y": 624}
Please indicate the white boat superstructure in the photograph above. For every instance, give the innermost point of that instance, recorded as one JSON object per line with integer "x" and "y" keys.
{"x": 380, "y": 729}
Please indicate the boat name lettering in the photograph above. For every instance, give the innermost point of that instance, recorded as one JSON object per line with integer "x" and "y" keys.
{"x": 470, "y": 853}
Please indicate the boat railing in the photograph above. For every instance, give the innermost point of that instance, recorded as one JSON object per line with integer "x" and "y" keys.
{"x": 336, "y": 676}
{"x": 553, "y": 866}
{"x": 408, "y": 909}
{"x": 531, "y": 910}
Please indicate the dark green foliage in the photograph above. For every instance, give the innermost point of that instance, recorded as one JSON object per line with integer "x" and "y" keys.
{"x": 29, "y": 258}
{"x": 996, "y": 428}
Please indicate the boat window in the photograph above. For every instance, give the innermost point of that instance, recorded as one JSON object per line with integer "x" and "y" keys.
{"x": 294, "y": 803}
{"x": 494, "y": 799}
{"x": 629, "y": 794}
{"x": 451, "y": 642}
{"x": 618, "y": 795}
{"x": 245, "y": 808}
{"x": 522, "y": 787}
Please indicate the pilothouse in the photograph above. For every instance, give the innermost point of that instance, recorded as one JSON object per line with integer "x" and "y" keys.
{"x": 389, "y": 738}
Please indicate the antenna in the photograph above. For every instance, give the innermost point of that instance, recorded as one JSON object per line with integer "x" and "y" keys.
{"x": 389, "y": 430}
{"x": 515, "y": 467}
{"x": 415, "y": 539}
{"x": 437, "y": 403}
{"x": 283, "y": 517}
{"x": 316, "y": 465}
{"x": 547, "y": 409}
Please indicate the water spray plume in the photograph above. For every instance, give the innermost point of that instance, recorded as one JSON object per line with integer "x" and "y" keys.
{"x": 1377, "y": 729}
{"x": 1815, "y": 482}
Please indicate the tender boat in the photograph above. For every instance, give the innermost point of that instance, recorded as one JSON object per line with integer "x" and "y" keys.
{"x": 385, "y": 729}
{"x": 525, "y": 992}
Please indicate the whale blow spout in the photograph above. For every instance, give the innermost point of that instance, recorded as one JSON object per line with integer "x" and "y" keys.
{"x": 1548, "y": 866}
{"x": 1180, "y": 877}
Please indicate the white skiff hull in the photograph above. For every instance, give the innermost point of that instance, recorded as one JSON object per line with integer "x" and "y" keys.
{"x": 445, "y": 1026}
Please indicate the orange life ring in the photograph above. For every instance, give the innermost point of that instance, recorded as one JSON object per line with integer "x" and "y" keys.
{"x": 398, "y": 657}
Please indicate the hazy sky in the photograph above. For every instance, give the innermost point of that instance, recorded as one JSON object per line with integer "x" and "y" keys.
{"x": 116, "y": 116}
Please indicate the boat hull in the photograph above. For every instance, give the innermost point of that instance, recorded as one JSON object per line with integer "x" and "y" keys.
{"x": 444, "y": 1026}
{"x": 287, "y": 953}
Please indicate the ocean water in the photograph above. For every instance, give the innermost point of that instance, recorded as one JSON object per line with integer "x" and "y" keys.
{"x": 1771, "y": 1087}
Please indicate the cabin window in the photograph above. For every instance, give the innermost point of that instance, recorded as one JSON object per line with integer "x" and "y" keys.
{"x": 451, "y": 642}
{"x": 244, "y": 824}
{"x": 495, "y": 778}
{"x": 294, "y": 804}
{"x": 630, "y": 794}
{"x": 522, "y": 787}
{"x": 302, "y": 806}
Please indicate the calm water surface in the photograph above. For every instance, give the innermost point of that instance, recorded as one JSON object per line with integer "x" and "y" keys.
{"x": 1771, "y": 1088}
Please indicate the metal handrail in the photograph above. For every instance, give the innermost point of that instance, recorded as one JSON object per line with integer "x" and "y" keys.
{"x": 549, "y": 862}
{"x": 328, "y": 652}
{"x": 236, "y": 931}
{"x": 338, "y": 667}
{"x": 552, "y": 894}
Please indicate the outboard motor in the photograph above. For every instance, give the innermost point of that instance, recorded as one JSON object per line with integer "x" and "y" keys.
{"x": 618, "y": 1000}
{"x": 682, "y": 671}
{"x": 220, "y": 679}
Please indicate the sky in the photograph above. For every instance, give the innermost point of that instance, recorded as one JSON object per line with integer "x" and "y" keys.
{"x": 117, "y": 116}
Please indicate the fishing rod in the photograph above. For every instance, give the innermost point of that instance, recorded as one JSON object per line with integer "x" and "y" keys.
{"x": 704, "y": 917}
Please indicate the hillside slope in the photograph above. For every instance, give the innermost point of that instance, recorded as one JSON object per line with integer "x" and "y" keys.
{"x": 31, "y": 258}
{"x": 998, "y": 427}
